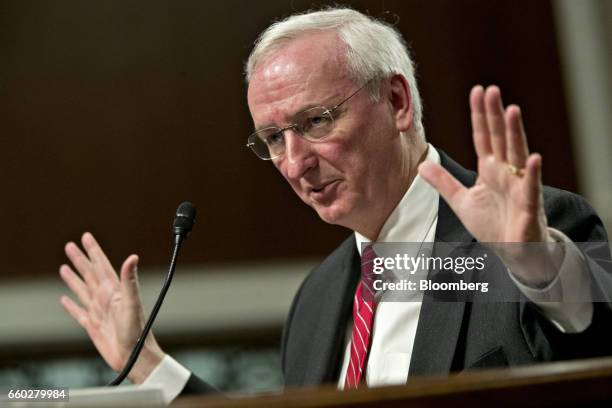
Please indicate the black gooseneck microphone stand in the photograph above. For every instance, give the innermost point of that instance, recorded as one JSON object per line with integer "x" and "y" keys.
{"x": 183, "y": 223}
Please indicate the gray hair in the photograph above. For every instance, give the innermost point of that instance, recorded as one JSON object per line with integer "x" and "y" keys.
{"x": 375, "y": 49}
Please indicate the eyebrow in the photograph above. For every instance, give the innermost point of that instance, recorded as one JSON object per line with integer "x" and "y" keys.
{"x": 302, "y": 109}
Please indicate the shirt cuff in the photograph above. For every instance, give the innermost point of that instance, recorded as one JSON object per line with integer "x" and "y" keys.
{"x": 169, "y": 376}
{"x": 572, "y": 310}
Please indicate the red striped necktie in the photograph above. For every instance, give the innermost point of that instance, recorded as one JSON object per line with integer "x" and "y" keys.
{"x": 363, "y": 318}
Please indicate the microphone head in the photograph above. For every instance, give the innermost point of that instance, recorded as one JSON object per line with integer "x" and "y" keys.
{"x": 184, "y": 219}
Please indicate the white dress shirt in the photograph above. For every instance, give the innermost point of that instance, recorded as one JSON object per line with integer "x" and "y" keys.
{"x": 414, "y": 220}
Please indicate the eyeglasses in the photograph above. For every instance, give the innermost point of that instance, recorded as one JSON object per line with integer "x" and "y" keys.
{"x": 313, "y": 124}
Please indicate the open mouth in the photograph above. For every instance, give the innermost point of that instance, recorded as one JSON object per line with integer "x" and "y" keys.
{"x": 322, "y": 190}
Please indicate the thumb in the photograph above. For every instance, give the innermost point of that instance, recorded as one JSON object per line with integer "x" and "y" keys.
{"x": 129, "y": 277}
{"x": 448, "y": 186}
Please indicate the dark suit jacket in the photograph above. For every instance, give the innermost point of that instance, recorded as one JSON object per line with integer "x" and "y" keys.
{"x": 451, "y": 336}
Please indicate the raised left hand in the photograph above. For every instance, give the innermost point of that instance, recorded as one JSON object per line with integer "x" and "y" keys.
{"x": 505, "y": 204}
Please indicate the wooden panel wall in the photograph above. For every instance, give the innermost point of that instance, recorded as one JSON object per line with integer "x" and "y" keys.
{"x": 112, "y": 112}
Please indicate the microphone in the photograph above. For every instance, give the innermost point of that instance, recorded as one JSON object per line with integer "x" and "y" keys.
{"x": 182, "y": 225}
{"x": 184, "y": 220}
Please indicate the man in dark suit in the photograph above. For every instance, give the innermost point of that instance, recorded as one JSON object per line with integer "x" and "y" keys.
{"x": 336, "y": 109}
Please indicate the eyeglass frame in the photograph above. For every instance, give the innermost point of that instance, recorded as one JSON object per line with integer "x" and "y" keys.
{"x": 295, "y": 126}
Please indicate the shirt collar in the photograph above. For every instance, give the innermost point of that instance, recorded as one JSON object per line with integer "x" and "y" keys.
{"x": 413, "y": 215}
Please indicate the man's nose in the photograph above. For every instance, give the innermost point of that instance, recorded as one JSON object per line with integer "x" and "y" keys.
{"x": 299, "y": 155}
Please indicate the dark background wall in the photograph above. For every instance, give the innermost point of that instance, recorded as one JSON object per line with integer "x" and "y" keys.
{"x": 112, "y": 112}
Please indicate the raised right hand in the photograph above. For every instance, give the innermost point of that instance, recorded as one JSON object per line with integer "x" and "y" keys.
{"x": 110, "y": 309}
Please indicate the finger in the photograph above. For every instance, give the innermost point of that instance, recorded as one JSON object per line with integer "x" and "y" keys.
{"x": 97, "y": 256}
{"x": 448, "y": 186}
{"x": 81, "y": 263}
{"x": 533, "y": 181}
{"x": 515, "y": 137}
{"x": 480, "y": 129}
{"x": 129, "y": 278}
{"x": 76, "y": 285}
{"x": 495, "y": 121}
{"x": 74, "y": 310}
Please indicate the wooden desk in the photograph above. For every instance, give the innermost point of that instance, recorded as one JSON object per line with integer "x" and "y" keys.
{"x": 580, "y": 383}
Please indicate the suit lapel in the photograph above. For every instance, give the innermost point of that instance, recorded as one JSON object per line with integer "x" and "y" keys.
{"x": 334, "y": 288}
{"x": 440, "y": 323}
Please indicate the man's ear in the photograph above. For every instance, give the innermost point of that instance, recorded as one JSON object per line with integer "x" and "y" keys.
{"x": 401, "y": 102}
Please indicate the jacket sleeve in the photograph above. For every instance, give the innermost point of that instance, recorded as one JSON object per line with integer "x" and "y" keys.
{"x": 572, "y": 215}
{"x": 195, "y": 385}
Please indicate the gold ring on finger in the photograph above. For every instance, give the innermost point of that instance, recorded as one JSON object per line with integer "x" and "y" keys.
{"x": 515, "y": 171}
